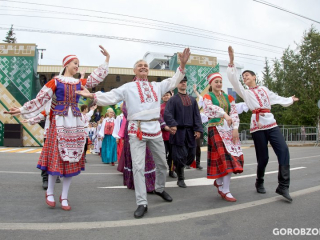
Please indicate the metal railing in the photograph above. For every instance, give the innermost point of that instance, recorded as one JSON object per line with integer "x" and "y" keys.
{"x": 291, "y": 134}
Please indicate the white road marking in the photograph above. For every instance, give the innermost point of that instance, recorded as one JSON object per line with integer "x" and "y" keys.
{"x": 148, "y": 221}
{"x": 204, "y": 181}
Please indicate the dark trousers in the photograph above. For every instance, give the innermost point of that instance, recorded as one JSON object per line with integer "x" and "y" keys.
{"x": 276, "y": 139}
{"x": 86, "y": 147}
{"x": 183, "y": 155}
{"x": 198, "y": 149}
{"x": 168, "y": 148}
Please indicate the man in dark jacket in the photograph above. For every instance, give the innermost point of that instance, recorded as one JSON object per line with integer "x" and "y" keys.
{"x": 183, "y": 117}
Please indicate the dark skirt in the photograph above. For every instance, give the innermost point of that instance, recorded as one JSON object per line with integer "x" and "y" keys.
{"x": 220, "y": 161}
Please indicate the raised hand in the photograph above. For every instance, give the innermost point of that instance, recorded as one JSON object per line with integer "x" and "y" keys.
{"x": 231, "y": 54}
{"x": 105, "y": 53}
{"x": 13, "y": 111}
{"x": 93, "y": 107}
{"x": 84, "y": 92}
{"x": 294, "y": 98}
{"x": 184, "y": 57}
{"x": 82, "y": 74}
{"x": 194, "y": 87}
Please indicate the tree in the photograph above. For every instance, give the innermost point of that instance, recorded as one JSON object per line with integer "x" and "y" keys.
{"x": 267, "y": 78}
{"x": 10, "y": 38}
{"x": 297, "y": 73}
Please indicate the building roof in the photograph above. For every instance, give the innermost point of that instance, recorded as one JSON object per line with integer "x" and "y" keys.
{"x": 112, "y": 70}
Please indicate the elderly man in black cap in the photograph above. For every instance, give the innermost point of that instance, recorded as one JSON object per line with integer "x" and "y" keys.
{"x": 183, "y": 117}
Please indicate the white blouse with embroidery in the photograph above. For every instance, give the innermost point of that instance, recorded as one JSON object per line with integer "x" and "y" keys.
{"x": 225, "y": 132}
{"x": 101, "y": 130}
{"x": 86, "y": 120}
{"x": 117, "y": 126}
{"x": 143, "y": 101}
{"x": 69, "y": 128}
{"x": 258, "y": 98}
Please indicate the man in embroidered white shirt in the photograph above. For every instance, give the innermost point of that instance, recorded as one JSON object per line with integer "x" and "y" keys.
{"x": 143, "y": 101}
{"x": 263, "y": 126}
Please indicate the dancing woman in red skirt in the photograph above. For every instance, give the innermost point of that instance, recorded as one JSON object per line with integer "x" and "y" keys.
{"x": 63, "y": 152}
{"x": 224, "y": 152}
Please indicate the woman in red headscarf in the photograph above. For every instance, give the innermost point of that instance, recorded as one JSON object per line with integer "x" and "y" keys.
{"x": 62, "y": 154}
{"x": 224, "y": 152}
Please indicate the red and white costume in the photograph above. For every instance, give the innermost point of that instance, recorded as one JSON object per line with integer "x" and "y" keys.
{"x": 143, "y": 101}
{"x": 66, "y": 136}
{"x": 257, "y": 99}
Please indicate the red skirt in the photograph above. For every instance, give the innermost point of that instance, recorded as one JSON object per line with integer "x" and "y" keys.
{"x": 220, "y": 161}
{"x": 51, "y": 161}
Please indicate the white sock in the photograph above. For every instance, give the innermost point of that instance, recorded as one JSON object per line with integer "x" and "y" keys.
{"x": 65, "y": 189}
{"x": 220, "y": 182}
{"x": 50, "y": 190}
{"x": 226, "y": 184}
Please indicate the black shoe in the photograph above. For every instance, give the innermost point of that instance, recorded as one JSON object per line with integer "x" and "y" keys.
{"x": 141, "y": 210}
{"x": 164, "y": 195}
{"x": 284, "y": 182}
{"x": 260, "y": 180}
{"x": 187, "y": 167}
{"x": 181, "y": 183}
{"x": 180, "y": 173}
{"x": 58, "y": 180}
{"x": 172, "y": 174}
{"x": 284, "y": 192}
{"x": 45, "y": 185}
{"x": 259, "y": 186}
{"x": 199, "y": 167}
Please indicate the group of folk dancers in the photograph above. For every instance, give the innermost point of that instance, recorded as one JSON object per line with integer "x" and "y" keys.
{"x": 63, "y": 152}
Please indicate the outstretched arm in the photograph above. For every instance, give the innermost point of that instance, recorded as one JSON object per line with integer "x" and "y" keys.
{"x": 99, "y": 74}
{"x": 233, "y": 75}
{"x": 171, "y": 83}
{"x": 283, "y": 101}
{"x": 195, "y": 90}
{"x": 40, "y": 117}
{"x": 231, "y": 55}
{"x": 32, "y": 108}
{"x": 104, "y": 98}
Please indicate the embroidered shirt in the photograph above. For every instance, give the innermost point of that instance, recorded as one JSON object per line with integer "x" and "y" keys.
{"x": 258, "y": 98}
{"x": 143, "y": 102}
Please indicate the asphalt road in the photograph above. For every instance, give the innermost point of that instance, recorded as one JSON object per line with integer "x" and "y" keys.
{"x": 103, "y": 209}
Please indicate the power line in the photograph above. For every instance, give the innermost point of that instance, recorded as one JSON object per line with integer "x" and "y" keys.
{"x": 148, "y": 19}
{"x": 285, "y": 10}
{"x": 159, "y": 43}
{"x": 130, "y": 25}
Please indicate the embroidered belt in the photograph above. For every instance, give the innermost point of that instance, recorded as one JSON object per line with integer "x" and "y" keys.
{"x": 260, "y": 111}
{"x": 73, "y": 104}
{"x": 139, "y": 133}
